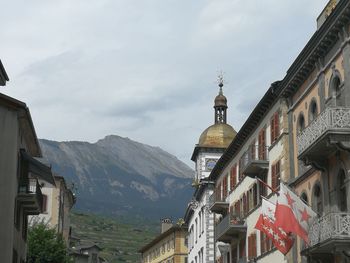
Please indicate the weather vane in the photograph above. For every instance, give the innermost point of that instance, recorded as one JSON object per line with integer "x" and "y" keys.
{"x": 220, "y": 80}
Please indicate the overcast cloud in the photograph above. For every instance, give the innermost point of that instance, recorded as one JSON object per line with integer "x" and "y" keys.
{"x": 147, "y": 69}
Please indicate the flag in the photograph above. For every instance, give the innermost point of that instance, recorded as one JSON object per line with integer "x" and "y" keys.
{"x": 266, "y": 224}
{"x": 292, "y": 214}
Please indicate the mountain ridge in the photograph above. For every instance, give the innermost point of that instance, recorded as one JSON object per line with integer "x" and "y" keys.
{"x": 117, "y": 175}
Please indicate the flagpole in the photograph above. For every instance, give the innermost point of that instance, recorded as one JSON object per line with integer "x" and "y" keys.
{"x": 261, "y": 181}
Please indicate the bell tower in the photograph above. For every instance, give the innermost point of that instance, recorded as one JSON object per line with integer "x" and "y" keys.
{"x": 220, "y": 104}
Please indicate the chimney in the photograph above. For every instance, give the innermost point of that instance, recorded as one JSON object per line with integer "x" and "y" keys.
{"x": 326, "y": 12}
{"x": 166, "y": 224}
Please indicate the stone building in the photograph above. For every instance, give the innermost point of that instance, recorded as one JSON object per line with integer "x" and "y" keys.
{"x": 303, "y": 122}
{"x": 212, "y": 143}
{"x": 168, "y": 247}
{"x": 58, "y": 200}
{"x": 19, "y": 174}
{"x": 317, "y": 88}
{"x": 259, "y": 150}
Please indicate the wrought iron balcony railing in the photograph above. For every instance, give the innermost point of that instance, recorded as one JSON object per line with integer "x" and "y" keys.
{"x": 334, "y": 120}
{"x": 231, "y": 227}
{"x": 333, "y": 226}
{"x": 30, "y": 196}
{"x": 254, "y": 160}
{"x": 218, "y": 203}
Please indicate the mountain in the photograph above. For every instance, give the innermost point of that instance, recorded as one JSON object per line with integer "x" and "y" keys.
{"x": 118, "y": 176}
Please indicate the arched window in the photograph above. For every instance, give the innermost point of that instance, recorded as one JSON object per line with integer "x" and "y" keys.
{"x": 304, "y": 198}
{"x": 301, "y": 123}
{"x": 342, "y": 191}
{"x": 317, "y": 203}
{"x": 334, "y": 90}
{"x": 313, "y": 111}
{"x": 335, "y": 86}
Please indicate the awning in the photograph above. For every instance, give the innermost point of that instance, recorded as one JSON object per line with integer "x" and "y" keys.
{"x": 38, "y": 168}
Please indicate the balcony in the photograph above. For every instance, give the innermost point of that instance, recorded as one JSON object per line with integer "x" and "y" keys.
{"x": 218, "y": 203}
{"x": 331, "y": 129}
{"x": 230, "y": 228}
{"x": 329, "y": 233}
{"x": 254, "y": 160}
{"x": 29, "y": 196}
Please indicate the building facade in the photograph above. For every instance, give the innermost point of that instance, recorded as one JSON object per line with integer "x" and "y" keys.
{"x": 58, "y": 200}
{"x": 317, "y": 87}
{"x": 19, "y": 174}
{"x": 212, "y": 143}
{"x": 259, "y": 150}
{"x": 168, "y": 247}
{"x": 299, "y": 133}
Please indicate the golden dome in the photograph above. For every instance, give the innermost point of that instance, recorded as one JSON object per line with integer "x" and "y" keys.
{"x": 219, "y": 135}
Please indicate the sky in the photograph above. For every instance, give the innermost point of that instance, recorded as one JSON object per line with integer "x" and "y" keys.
{"x": 147, "y": 69}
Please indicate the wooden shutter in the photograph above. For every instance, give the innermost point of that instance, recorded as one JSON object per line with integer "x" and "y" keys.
{"x": 278, "y": 173}
{"x": 262, "y": 144}
{"x": 254, "y": 245}
{"x": 273, "y": 176}
{"x": 218, "y": 192}
{"x": 244, "y": 204}
{"x": 253, "y": 150}
{"x": 224, "y": 188}
{"x": 272, "y": 129}
{"x": 249, "y": 247}
{"x": 277, "y": 125}
{"x": 255, "y": 195}
{"x": 242, "y": 252}
{"x": 262, "y": 242}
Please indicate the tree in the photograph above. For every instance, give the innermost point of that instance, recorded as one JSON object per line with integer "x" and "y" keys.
{"x": 45, "y": 245}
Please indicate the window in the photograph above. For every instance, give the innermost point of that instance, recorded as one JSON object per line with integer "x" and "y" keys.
{"x": 317, "y": 196}
{"x": 313, "y": 112}
{"x": 301, "y": 123}
{"x": 233, "y": 177}
{"x": 276, "y": 174}
{"x": 203, "y": 219}
{"x": 274, "y": 127}
{"x": 44, "y": 204}
{"x": 304, "y": 198}
{"x": 335, "y": 89}
{"x": 196, "y": 233}
{"x": 342, "y": 191}
{"x": 245, "y": 208}
{"x": 262, "y": 186}
{"x": 242, "y": 252}
{"x": 200, "y": 223}
{"x": 252, "y": 246}
{"x": 265, "y": 243}
{"x": 224, "y": 188}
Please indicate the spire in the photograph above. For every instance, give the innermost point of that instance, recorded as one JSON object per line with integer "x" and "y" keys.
{"x": 220, "y": 103}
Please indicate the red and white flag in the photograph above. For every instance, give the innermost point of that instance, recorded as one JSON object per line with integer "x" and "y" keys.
{"x": 266, "y": 224}
{"x": 292, "y": 214}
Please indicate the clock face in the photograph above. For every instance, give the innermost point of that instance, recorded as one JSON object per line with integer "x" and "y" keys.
{"x": 209, "y": 164}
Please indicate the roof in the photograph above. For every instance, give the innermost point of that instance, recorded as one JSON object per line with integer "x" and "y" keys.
{"x": 319, "y": 44}
{"x": 162, "y": 236}
{"x": 25, "y": 123}
{"x": 37, "y": 167}
{"x": 3, "y": 75}
{"x": 247, "y": 129}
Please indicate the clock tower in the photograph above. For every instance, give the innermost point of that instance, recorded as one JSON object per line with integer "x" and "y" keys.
{"x": 213, "y": 140}
{"x": 212, "y": 143}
